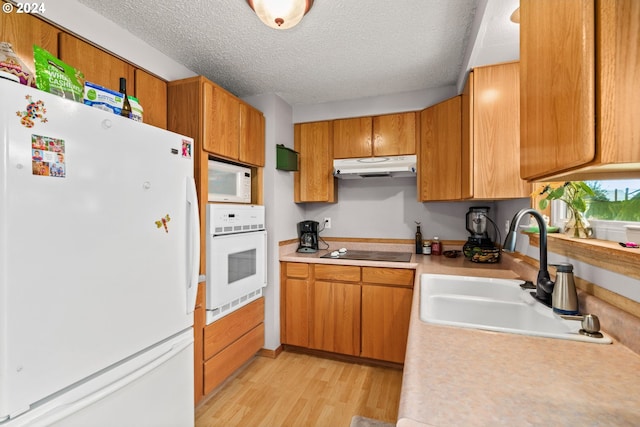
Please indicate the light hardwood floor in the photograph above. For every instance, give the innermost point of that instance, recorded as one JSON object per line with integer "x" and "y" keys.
{"x": 300, "y": 390}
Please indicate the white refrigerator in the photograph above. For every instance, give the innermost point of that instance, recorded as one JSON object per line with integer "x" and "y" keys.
{"x": 99, "y": 250}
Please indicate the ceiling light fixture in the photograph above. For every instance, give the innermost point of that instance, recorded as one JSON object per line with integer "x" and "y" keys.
{"x": 280, "y": 14}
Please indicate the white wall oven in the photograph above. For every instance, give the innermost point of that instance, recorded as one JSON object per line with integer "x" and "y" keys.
{"x": 236, "y": 257}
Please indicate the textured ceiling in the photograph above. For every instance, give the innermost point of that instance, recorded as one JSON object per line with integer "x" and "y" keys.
{"x": 341, "y": 49}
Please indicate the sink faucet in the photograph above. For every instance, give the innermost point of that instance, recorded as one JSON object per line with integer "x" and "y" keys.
{"x": 544, "y": 284}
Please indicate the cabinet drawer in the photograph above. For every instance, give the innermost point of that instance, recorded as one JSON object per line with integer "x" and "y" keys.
{"x": 388, "y": 276}
{"x": 218, "y": 368}
{"x": 223, "y": 332}
{"x": 342, "y": 273}
{"x": 297, "y": 270}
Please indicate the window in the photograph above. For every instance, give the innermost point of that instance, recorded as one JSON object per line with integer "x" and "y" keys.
{"x": 615, "y": 200}
{"x": 615, "y": 205}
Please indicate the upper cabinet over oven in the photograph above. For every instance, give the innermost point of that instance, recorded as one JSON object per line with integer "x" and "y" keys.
{"x": 224, "y": 125}
{"x": 580, "y": 80}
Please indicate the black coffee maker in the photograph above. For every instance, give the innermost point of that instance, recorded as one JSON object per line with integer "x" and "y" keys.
{"x": 308, "y": 236}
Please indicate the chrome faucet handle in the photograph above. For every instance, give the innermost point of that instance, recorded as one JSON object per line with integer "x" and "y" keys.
{"x": 589, "y": 322}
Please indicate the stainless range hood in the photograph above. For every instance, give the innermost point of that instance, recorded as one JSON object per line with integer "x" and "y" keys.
{"x": 368, "y": 167}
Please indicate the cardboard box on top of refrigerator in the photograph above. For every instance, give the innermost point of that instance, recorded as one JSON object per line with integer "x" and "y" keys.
{"x": 110, "y": 100}
{"x": 136, "y": 109}
{"x": 103, "y": 98}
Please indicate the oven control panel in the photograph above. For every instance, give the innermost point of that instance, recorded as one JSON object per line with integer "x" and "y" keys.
{"x": 231, "y": 218}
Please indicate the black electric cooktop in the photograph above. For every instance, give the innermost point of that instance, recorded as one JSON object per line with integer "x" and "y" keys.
{"x": 372, "y": 256}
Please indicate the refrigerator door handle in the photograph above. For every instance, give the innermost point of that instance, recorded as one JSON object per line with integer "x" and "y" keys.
{"x": 193, "y": 245}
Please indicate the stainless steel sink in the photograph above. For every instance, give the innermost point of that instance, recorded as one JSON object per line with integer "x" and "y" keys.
{"x": 493, "y": 304}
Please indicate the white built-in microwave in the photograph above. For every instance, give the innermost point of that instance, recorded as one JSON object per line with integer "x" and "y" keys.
{"x": 229, "y": 183}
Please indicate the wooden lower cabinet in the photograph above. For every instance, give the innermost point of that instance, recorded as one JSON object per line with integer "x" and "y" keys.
{"x": 199, "y": 321}
{"x": 296, "y": 312}
{"x": 294, "y": 303}
{"x": 387, "y": 294}
{"x": 335, "y": 317}
{"x": 232, "y": 341}
{"x": 385, "y": 322}
{"x": 358, "y": 311}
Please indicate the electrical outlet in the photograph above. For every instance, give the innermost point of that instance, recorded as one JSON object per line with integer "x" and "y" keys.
{"x": 327, "y": 223}
{"x": 507, "y": 223}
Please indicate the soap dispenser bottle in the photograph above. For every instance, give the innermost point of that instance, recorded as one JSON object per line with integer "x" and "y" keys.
{"x": 418, "y": 239}
{"x": 564, "y": 298}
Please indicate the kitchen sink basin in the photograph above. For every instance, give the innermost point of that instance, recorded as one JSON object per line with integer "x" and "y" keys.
{"x": 493, "y": 304}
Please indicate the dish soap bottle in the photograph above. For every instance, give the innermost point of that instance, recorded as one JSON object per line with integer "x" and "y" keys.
{"x": 418, "y": 239}
{"x": 126, "y": 106}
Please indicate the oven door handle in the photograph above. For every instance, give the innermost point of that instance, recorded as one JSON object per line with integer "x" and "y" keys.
{"x": 193, "y": 245}
{"x": 264, "y": 285}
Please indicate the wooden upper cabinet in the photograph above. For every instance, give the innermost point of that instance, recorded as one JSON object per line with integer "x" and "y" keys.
{"x": 231, "y": 128}
{"x": 440, "y": 151}
{"x": 394, "y": 134}
{"x": 387, "y": 135}
{"x": 314, "y": 182}
{"x": 221, "y": 122}
{"x": 491, "y": 134}
{"x": 98, "y": 66}
{"x": 23, "y": 30}
{"x": 152, "y": 94}
{"x": 579, "y": 64}
{"x": 352, "y": 138}
{"x": 252, "y": 126}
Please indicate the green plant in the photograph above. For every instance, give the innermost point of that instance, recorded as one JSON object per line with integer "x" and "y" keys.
{"x": 574, "y": 194}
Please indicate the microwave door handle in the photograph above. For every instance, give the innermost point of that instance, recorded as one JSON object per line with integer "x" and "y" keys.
{"x": 193, "y": 245}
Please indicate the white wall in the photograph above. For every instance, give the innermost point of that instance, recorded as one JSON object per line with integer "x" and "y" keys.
{"x": 282, "y": 214}
{"x": 505, "y": 210}
{"x": 371, "y": 106}
{"x": 388, "y": 208}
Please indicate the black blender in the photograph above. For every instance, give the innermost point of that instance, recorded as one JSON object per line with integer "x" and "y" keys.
{"x": 479, "y": 246}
